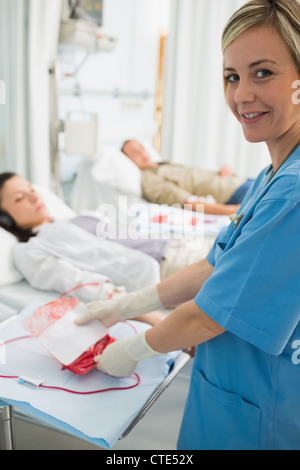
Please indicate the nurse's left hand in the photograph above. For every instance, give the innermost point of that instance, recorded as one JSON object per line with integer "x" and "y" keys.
{"x": 119, "y": 359}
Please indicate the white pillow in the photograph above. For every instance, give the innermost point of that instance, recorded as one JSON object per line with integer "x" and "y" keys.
{"x": 114, "y": 168}
{"x": 155, "y": 156}
{"x": 9, "y": 273}
{"x": 57, "y": 209}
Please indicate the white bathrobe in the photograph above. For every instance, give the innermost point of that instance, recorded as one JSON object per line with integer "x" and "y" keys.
{"x": 63, "y": 256}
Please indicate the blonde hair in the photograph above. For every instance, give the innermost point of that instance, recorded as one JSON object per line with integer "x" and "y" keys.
{"x": 282, "y": 15}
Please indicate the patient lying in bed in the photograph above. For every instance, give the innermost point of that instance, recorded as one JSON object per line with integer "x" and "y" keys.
{"x": 59, "y": 255}
{"x": 218, "y": 193}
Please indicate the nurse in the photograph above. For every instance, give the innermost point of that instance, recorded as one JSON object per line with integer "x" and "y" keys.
{"x": 241, "y": 305}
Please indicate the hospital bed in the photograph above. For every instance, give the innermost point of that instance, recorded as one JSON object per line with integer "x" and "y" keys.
{"x": 79, "y": 416}
{"x": 111, "y": 183}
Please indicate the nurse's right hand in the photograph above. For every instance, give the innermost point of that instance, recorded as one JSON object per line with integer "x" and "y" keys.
{"x": 120, "y": 358}
{"x": 123, "y": 307}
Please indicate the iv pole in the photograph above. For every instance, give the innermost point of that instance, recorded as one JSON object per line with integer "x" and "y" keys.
{"x": 56, "y": 126}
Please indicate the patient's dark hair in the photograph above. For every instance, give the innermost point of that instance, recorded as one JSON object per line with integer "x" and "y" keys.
{"x": 6, "y": 221}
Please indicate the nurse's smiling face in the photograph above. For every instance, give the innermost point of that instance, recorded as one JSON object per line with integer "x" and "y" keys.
{"x": 260, "y": 71}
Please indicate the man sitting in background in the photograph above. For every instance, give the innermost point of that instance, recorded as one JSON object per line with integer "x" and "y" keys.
{"x": 166, "y": 183}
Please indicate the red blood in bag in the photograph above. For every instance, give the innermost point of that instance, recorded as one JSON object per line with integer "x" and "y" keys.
{"x": 85, "y": 363}
{"x": 48, "y": 314}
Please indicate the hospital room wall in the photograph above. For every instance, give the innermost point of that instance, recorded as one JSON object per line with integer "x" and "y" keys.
{"x": 118, "y": 86}
{"x": 198, "y": 128}
{"x": 28, "y": 45}
{"x": 12, "y": 72}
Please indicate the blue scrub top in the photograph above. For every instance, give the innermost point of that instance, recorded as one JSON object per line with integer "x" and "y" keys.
{"x": 245, "y": 386}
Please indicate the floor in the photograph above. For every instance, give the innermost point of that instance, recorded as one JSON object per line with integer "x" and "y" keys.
{"x": 158, "y": 430}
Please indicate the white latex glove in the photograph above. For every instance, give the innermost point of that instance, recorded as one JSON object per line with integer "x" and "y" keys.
{"x": 107, "y": 290}
{"x": 119, "y": 359}
{"x": 122, "y": 307}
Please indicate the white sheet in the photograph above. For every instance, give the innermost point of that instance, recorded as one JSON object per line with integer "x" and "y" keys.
{"x": 173, "y": 222}
{"x": 15, "y": 297}
{"x": 99, "y": 418}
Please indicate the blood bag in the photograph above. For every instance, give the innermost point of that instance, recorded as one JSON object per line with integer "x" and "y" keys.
{"x": 73, "y": 346}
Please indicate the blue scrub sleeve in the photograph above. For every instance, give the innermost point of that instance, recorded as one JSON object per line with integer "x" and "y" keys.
{"x": 254, "y": 289}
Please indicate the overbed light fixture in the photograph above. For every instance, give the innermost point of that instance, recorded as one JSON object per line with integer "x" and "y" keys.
{"x": 86, "y": 10}
{"x": 81, "y": 28}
